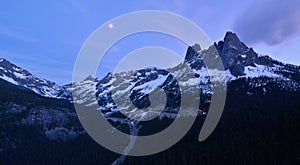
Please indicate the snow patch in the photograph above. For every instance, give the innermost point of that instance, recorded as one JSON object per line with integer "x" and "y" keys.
{"x": 19, "y": 75}
{"x": 17, "y": 69}
{"x": 151, "y": 85}
{"x": 259, "y": 71}
{"x": 4, "y": 77}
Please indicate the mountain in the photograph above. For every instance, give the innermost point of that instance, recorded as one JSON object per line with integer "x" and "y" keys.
{"x": 259, "y": 125}
{"x": 18, "y": 76}
{"x": 240, "y": 63}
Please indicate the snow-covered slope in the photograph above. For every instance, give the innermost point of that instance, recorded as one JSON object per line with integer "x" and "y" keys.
{"x": 22, "y": 77}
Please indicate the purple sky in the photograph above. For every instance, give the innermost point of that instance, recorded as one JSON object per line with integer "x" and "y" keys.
{"x": 45, "y": 37}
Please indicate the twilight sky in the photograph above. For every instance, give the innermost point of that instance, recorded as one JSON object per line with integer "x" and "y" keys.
{"x": 45, "y": 37}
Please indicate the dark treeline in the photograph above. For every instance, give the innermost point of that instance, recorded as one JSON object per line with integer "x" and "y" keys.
{"x": 26, "y": 144}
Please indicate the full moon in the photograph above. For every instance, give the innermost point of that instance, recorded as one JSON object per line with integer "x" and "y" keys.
{"x": 110, "y": 26}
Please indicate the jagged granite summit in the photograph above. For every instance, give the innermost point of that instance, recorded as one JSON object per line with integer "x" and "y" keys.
{"x": 235, "y": 55}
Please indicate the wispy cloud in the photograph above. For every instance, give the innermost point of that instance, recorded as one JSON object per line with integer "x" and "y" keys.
{"x": 72, "y": 6}
{"x": 271, "y": 21}
{"x": 17, "y": 34}
{"x": 78, "y": 5}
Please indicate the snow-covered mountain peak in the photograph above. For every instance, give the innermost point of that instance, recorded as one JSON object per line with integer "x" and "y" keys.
{"x": 237, "y": 58}
{"x": 19, "y": 76}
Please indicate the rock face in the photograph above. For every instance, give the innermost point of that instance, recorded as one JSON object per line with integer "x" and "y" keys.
{"x": 233, "y": 52}
{"x": 235, "y": 55}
